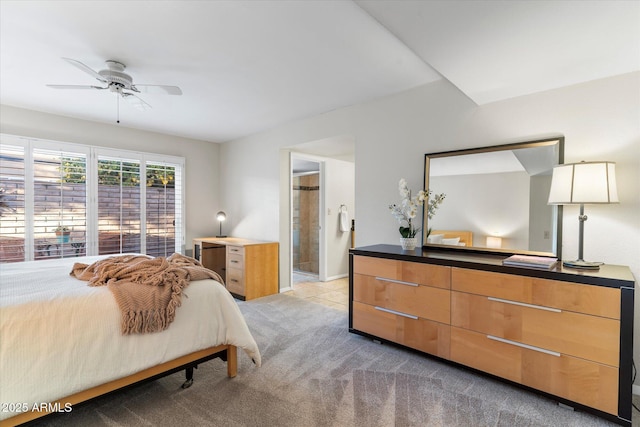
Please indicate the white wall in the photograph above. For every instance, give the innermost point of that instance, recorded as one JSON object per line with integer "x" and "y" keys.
{"x": 476, "y": 203}
{"x": 599, "y": 121}
{"x": 541, "y": 218}
{"x": 201, "y": 158}
{"x": 339, "y": 190}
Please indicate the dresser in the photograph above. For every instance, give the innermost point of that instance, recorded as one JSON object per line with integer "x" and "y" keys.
{"x": 249, "y": 268}
{"x": 565, "y": 333}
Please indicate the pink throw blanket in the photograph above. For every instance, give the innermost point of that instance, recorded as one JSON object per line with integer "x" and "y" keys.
{"x": 147, "y": 290}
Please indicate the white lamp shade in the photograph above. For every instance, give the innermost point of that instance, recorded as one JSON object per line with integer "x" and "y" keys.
{"x": 494, "y": 242}
{"x": 585, "y": 182}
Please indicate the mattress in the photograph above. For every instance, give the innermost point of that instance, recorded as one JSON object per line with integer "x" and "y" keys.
{"x": 59, "y": 336}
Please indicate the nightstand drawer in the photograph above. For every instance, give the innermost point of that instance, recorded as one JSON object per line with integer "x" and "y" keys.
{"x": 596, "y": 300}
{"x": 580, "y": 335}
{"x": 235, "y": 261}
{"x": 411, "y": 331}
{"x": 424, "y": 274}
{"x": 235, "y": 250}
{"x": 235, "y": 281}
{"x": 589, "y": 383}
{"x": 419, "y": 300}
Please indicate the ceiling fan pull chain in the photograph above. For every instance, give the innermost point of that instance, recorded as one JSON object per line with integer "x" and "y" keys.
{"x": 117, "y": 108}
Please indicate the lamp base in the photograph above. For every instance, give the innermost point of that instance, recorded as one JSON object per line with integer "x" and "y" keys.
{"x": 220, "y": 236}
{"x": 582, "y": 264}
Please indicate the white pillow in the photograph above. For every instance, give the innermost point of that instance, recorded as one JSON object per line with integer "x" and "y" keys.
{"x": 435, "y": 238}
{"x": 453, "y": 242}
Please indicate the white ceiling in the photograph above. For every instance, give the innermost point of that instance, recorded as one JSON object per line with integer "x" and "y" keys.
{"x": 246, "y": 66}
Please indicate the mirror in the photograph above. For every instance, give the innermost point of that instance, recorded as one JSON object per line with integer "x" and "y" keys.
{"x": 495, "y": 199}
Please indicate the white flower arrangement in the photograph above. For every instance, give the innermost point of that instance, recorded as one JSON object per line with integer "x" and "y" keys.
{"x": 407, "y": 210}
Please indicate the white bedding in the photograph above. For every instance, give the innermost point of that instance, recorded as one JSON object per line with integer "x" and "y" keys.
{"x": 59, "y": 336}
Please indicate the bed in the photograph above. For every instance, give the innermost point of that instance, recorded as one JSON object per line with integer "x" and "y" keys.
{"x": 61, "y": 340}
{"x": 451, "y": 237}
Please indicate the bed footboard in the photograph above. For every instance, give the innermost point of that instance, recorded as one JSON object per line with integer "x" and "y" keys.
{"x": 229, "y": 353}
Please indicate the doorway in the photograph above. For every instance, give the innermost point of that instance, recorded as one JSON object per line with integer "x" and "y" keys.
{"x": 333, "y": 159}
{"x": 305, "y": 219}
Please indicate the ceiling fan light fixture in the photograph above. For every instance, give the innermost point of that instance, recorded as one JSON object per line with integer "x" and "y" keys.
{"x": 116, "y": 77}
{"x": 117, "y": 81}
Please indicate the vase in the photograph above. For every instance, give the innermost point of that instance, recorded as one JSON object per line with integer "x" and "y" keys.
{"x": 63, "y": 236}
{"x": 408, "y": 243}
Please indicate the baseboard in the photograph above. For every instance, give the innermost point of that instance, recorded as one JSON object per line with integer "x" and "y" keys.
{"x": 287, "y": 289}
{"x": 339, "y": 276}
{"x": 635, "y": 389}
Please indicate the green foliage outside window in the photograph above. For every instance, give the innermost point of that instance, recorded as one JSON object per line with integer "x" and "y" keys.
{"x": 115, "y": 172}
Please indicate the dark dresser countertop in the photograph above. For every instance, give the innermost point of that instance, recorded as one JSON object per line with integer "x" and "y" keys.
{"x": 614, "y": 276}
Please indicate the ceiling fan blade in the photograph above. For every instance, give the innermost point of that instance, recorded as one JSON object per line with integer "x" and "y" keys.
{"x": 86, "y": 69}
{"x": 162, "y": 89}
{"x": 75, "y": 87}
{"x": 135, "y": 101}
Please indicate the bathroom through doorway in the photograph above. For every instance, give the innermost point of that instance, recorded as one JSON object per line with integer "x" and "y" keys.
{"x": 305, "y": 220}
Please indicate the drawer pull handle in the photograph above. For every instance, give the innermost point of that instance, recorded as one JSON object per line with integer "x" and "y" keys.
{"x": 529, "y": 347}
{"x": 539, "y": 307}
{"x": 386, "y": 310}
{"x": 234, "y": 261}
{"x": 382, "y": 279}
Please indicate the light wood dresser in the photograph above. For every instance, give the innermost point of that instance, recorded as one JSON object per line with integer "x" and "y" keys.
{"x": 250, "y": 266}
{"x": 565, "y": 333}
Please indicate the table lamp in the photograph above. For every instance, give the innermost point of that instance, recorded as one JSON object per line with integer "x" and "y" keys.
{"x": 583, "y": 183}
{"x": 494, "y": 241}
{"x": 221, "y": 216}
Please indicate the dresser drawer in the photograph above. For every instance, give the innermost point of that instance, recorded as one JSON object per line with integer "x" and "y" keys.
{"x": 419, "y": 300}
{"x": 589, "y": 383}
{"x": 235, "y": 281}
{"x": 588, "y": 299}
{"x": 415, "y": 272}
{"x": 581, "y": 335}
{"x": 420, "y": 334}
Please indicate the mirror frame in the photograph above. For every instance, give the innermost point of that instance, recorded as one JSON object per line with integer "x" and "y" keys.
{"x": 559, "y": 141}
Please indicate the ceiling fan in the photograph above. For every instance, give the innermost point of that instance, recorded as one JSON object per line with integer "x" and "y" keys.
{"x": 117, "y": 81}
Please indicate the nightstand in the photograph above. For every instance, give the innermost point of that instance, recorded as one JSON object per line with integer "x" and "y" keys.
{"x": 250, "y": 266}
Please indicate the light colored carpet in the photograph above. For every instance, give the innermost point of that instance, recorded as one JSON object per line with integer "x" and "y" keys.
{"x": 315, "y": 373}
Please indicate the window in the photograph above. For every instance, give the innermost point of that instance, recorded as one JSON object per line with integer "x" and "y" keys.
{"x": 59, "y": 203}
{"x": 61, "y": 200}
{"x": 119, "y": 221}
{"x": 12, "y": 217}
{"x": 162, "y": 212}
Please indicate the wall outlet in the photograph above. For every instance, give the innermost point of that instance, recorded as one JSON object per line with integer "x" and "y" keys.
{"x": 547, "y": 234}
{"x": 328, "y": 211}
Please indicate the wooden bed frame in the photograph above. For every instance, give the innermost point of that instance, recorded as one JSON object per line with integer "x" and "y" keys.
{"x": 466, "y": 237}
{"x": 229, "y": 353}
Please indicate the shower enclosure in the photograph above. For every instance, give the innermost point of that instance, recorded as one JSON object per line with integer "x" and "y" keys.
{"x": 306, "y": 223}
